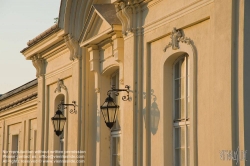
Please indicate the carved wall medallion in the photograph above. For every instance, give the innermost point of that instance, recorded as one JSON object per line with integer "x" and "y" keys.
{"x": 176, "y": 37}
{"x": 60, "y": 86}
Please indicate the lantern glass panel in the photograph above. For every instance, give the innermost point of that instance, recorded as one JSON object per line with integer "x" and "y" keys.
{"x": 62, "y": 122}
{"x": 58, "y": 121}
{"x": 112, "y": 111}
{"x": 105, "y": 114}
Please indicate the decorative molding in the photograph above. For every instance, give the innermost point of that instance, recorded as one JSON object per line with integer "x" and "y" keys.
{"x": 118, "y": 51}
{"x": 60, "y": 86}
{"x": 19, "y": 102}
{"x": 73, "y": 46}
{"x": 124, "y": 12}
{"x": 95, "y": 65}
{"x": 180, "y": 13}
{"x": 176, "y": 37}
{"x": 39, "y": 63}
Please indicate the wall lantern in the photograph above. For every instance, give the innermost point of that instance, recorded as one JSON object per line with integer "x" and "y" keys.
{"x": 109, "y": 107}
{"x": 59, "y": 119}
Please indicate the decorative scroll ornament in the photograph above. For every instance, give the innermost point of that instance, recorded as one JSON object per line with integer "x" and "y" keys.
{"x": 116, "y": 92}
{"x": 176, "y": 37}
{"x": 39, "y": 64}
{"x": 124, "y": 12}
{"x": 60, "y": 86}
{"x": 73, "y": 46}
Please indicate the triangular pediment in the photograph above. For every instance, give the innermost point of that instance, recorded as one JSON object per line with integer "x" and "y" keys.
{"x": 101, "y": 21}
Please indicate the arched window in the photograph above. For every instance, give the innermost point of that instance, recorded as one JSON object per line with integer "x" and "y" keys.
{"x": 115, "y": 131}
{"x": 180, "y": 105}
{"x": 181, "y": 115}
{"x": 59, "y": 144}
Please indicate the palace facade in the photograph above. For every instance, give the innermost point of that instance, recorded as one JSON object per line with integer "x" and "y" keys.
{"x": 186, "y": 65}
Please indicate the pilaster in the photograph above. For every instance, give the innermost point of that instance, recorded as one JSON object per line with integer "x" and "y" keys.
{"x": 118, "y": 50}
{"x": 94, "y": 141}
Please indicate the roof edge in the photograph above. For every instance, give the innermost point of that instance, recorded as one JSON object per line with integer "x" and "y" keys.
{"x": 19, "y": 89}
{"x": 41, "y": 36}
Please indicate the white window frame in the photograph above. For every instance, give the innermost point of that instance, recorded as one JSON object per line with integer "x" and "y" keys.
{"x": 186, "y": 121}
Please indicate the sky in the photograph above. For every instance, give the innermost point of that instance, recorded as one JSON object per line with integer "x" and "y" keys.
{"x": 21, "y": 21}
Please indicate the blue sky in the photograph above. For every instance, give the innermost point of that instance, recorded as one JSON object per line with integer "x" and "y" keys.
{"x": 21, "y": 21}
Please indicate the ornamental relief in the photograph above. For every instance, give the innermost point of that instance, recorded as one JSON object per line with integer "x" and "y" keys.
{"x": 39, "y": 63}
{"x": 60, "y": 85}
{"x": 176, "y": 37}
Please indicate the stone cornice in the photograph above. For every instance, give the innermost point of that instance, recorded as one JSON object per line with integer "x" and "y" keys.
{"x": 19, "y": 89}
{"x": 19, "y": 102}
{"x": 41, "y": 36}
{"x": 51, "y": 41}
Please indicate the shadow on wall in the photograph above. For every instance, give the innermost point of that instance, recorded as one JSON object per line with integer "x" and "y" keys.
{"x": 154, "y": 113}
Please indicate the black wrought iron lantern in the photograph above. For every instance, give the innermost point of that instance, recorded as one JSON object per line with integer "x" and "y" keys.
{"x": 109, "y": 108}
{"x": 109, "y": 111}
{"x": 58, "y": 122}
{"x": 59, "y": 119}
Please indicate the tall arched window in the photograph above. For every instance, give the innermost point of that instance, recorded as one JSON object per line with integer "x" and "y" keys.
{"x": 115, "y": 131}
{"x": 181, "y": 109}
{"x": 59, "y": 144}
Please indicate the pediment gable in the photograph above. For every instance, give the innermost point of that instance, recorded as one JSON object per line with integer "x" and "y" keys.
{"x": 101, "y": 20}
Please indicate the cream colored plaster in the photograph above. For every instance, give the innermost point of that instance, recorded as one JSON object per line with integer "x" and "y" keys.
{"x": 58, "y": 63}
{"x": 162, "y": 9}
{"x": 99, "y": 26}
{"x": 141, "y": 61}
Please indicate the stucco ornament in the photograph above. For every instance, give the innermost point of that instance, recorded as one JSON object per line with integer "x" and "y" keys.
{"x": 176, "y": 37}
{"x": 39, "y": 64}
{"x": 60, "y": 86}
{"x": 73, "y": 46}
{"x": 124, "y": 12}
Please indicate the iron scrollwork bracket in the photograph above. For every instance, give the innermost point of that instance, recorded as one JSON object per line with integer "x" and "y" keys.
{"x": 116, "y": 92}
{"x": 72, "y": 111}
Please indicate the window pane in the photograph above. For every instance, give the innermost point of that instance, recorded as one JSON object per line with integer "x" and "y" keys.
{"x": 177, "y": 89}
{"x": 182, "y": 137}
{"x": 179, "y": 137}
{"x": 180, "y": 157}
{"x": 177, "y": 157}
{"x": 182, "y": 162}
{"x": 177, "y": 70}
{"x": 115, "y": 151}
{"x": 188, "y": 136}
{"x": 180, "y": 146}
{"x": 179, "y": 111}
{"x": 177, "y": 108}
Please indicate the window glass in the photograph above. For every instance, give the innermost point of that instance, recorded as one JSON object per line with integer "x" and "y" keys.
{"x": 181, "y": 112}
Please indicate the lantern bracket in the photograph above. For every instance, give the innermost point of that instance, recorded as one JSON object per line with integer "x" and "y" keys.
{"x": 61, "y": 106}
{"x": 116, "y": 92}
